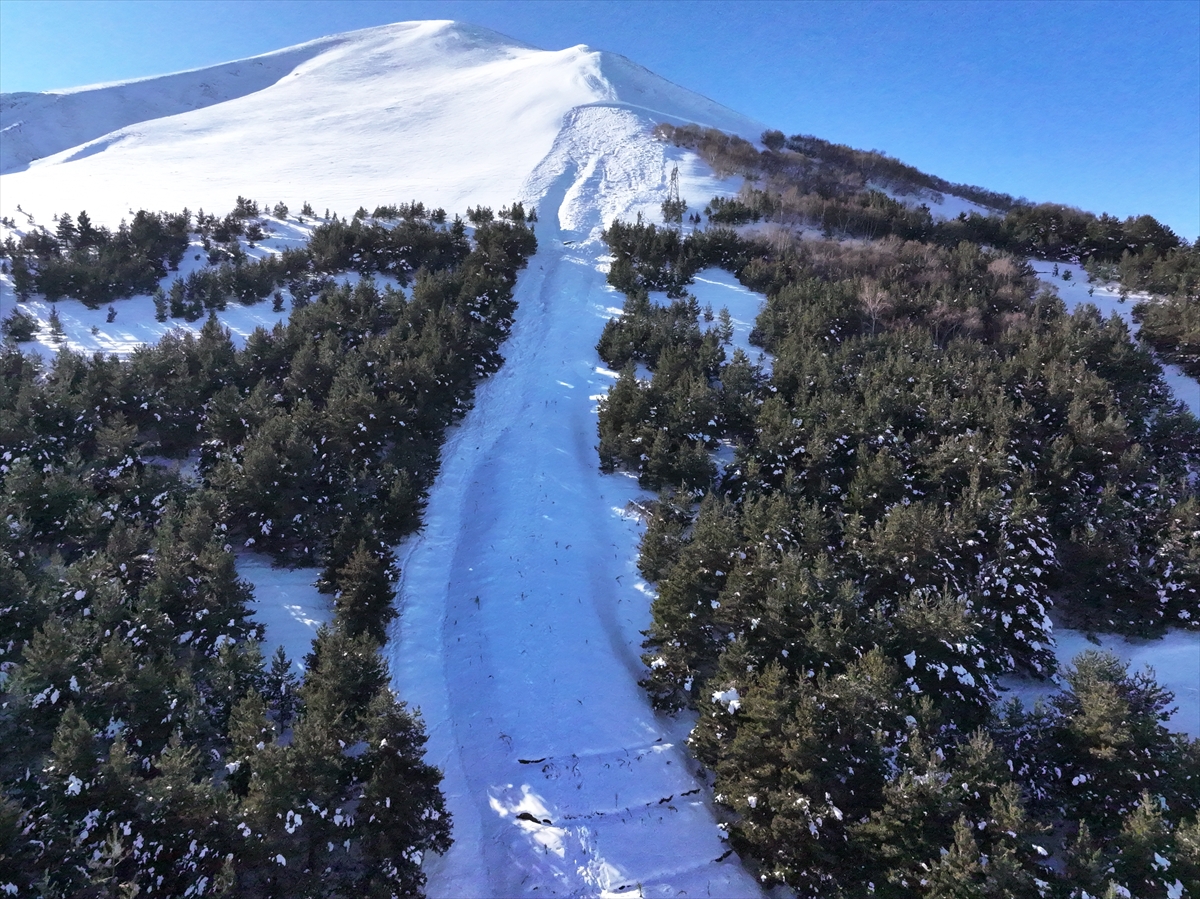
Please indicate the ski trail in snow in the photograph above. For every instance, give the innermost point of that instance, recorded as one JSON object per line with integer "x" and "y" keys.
{"x": 521, "y": 609}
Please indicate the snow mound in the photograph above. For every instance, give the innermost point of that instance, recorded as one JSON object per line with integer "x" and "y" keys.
{"x": 452, "y": 114}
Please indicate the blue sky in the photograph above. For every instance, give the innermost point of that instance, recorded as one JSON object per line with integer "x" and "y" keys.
{"x": 1092, "y": 104}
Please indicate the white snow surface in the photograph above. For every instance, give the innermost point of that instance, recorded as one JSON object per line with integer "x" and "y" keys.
{"x": 519, "y": 635}
{"x": 35, "y": 125}
{"x": 286, "y": 603}
{"x": 951, "y": 206}
{"x": 447, "y": 113}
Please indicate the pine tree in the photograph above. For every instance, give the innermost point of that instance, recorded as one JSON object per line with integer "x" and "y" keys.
{"x": 66, "y": 231}
{"x": 363, "y": 601}
{"x": 402, "y": 805}
{"x": 71, "y": 770}
{"x": 86, "y": 233}
{"x": 1187, "y": 856}
{"x": 56, "y": 326}
{"x": 178, "y": 302}
{"x": 958, "y": 874}
{"x": 24, "y": 281}
{"x": 342, "y": 675}
{"x": 1143, "y": 850}
{"x": 1111, "y": 725}
{"x": 18, "y": 856}
{"x": 19, "y": 326}
{"x": 249, "y": 733}
{"x": 1086, "y": 868}
{"x": 191, "y": 832}
{"x": 160, "y": 304}
{"x": 403, "y": 506}
{"x": 281, "y": 687}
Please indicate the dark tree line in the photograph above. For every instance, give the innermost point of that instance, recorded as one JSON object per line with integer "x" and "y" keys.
{"x": 94, "y": 264}
{"x": 940, "y": 457}
{"x": 150, "y": 748}
{"x": 804, "y": 180}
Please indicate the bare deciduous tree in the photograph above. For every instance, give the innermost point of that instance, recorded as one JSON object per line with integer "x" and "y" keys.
{"x": 875, "y": 300}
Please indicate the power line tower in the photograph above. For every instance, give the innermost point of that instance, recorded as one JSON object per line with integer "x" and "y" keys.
{"x": 673, "y": 187}
{"x": 673, "y": 207}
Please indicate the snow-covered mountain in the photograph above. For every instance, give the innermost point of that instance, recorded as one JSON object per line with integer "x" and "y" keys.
{"x": 522, "y": 607}
{"x": 449, "y": 113}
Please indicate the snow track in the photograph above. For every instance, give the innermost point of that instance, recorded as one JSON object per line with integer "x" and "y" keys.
{"x": 520, "y": 617}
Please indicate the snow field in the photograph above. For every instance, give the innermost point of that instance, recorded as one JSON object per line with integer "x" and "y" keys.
{"x": 952, "y": 206}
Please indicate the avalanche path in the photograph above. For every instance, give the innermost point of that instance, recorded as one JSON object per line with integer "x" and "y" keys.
{"x": 521, "y": 604}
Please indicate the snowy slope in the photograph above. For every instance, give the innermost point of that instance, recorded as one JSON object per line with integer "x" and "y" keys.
{"x": 35, "y": 125}
{"x": 521, "y": 606}
{"x": 519, "y": 635}
{"x": 448, "y": 113}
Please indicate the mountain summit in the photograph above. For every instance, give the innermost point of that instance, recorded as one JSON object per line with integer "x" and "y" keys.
{"x": 451, "y": 113}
